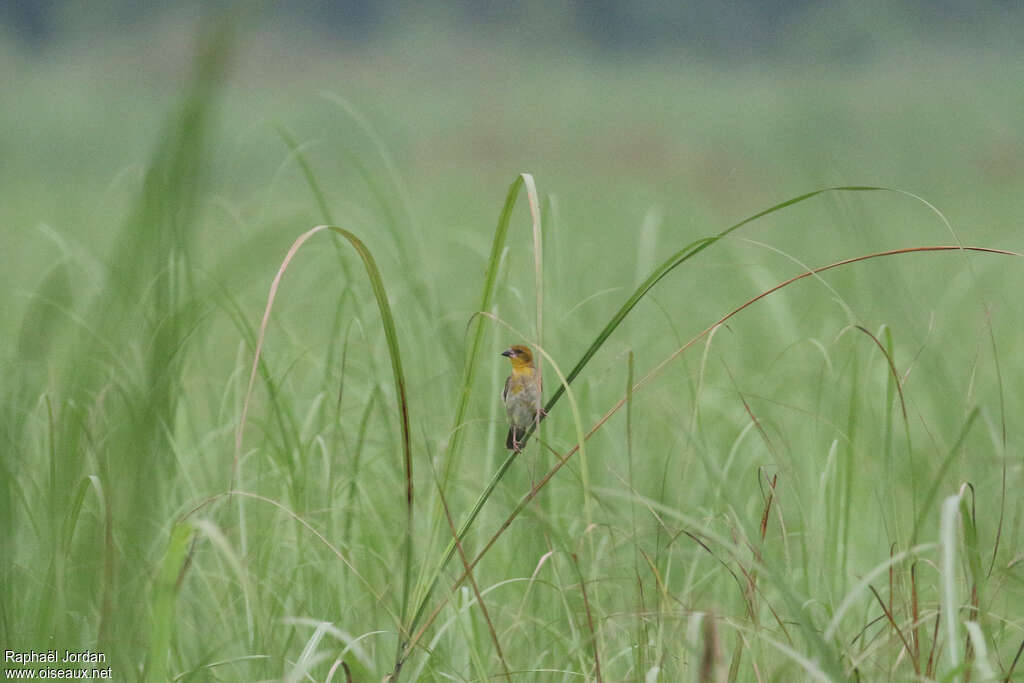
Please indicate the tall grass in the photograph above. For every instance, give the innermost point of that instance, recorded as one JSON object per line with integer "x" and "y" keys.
{"x": 764, "y": 470}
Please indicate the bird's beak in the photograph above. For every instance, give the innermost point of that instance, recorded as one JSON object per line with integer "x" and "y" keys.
{"x": 507, "y": 353}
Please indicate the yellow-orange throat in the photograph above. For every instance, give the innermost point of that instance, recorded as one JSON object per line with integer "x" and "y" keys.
{"x": 520, "y": 365}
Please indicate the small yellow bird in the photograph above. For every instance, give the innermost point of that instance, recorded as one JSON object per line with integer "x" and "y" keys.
{"x": 522, "y": 396}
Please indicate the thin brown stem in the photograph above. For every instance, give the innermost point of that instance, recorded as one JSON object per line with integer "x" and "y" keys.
{"x": 892, "y": 622}
{"x": 590, "y": 618}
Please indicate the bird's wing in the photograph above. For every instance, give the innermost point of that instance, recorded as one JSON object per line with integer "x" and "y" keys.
{"x": 504, "y": 392}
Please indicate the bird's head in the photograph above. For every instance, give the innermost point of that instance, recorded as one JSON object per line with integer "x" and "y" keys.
{"x": 520, "y": 356}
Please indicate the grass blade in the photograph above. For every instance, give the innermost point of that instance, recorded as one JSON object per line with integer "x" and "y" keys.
{"x": 394, "y": 352}
{"x": 680, "y": 257}
{"x": 469, "y": 371}
{"x": 162, "y": 603}
{"x": 949, "y": 603}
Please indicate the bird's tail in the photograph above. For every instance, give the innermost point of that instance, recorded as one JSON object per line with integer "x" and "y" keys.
{"x": 516, "y": 435}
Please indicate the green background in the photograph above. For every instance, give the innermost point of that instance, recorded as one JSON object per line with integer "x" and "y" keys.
{"x": 156, "y": 169}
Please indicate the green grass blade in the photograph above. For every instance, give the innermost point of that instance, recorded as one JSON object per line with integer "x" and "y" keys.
{"x": 477, "y": 334}
{"x": 680, "y": 257}
{"x": 933, "y": 491}
{"x": 165, "y": 591}
{"x": 394, "y": 352}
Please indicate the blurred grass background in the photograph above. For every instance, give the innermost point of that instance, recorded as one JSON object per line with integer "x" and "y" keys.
{"x": 154, "y": 175}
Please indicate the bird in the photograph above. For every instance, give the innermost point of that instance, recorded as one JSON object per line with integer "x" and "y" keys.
{"x": 522, "y": 396}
